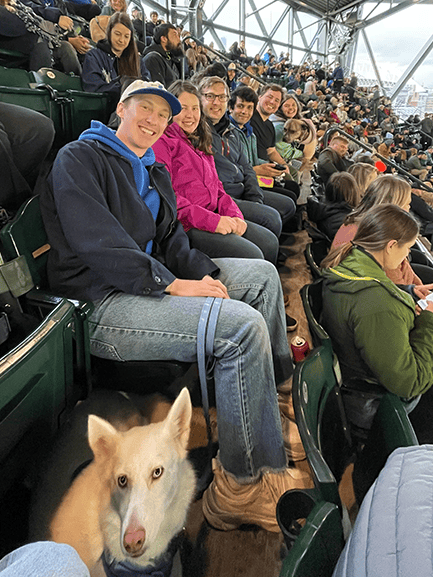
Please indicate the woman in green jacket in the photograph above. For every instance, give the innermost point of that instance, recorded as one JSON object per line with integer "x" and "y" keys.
{"x": 374, "y": 325}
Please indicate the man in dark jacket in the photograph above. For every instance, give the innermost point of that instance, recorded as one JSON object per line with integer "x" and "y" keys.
{"x": 332, "y": 158}
{"x": 110, "y": 214}
{"x": 234, "y": 170}
{"x": 162, "y": 56}
{"x": 427, "y": 128}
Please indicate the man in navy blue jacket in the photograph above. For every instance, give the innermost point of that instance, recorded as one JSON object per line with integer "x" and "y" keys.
{"x": 110, "y": 214}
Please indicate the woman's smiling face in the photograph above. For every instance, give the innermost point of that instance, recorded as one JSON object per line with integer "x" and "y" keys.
{"x": 189, "y": 117}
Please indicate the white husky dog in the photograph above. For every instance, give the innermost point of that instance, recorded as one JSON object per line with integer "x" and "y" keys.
{"x": 123, "y": 512}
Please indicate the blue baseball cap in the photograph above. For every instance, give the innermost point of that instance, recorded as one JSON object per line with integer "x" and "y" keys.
{"x": 143, "y": 87}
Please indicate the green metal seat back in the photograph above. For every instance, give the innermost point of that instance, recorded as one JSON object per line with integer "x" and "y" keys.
{"x": 16, "y": 78}
{"x": 312, "y": 302}
{"x": 311, "y": 261}
{"x": 58, "y": 80}
{"x": 25, "y": 235}
{"x": 12, "y": 58}
{"x": 321, "y": 421}
{"x": 39, "y": 101}
{"x": 88, "y": 106}
{"x": 83, "y": 107}
{"x": 390, "y": 430}
{"x": 36, "y": 392}
{"x": 392, "y": 424}
{"x": 317, "y": 548}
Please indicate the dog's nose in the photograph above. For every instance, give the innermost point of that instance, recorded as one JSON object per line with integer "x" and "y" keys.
{"x": 133, "y": 540}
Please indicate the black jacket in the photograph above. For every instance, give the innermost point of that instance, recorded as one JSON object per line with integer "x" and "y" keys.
{"x": 234, "y": 170}
{"x": 329, "y": 162}
{"x": 162, "y": 67}
{"x": 328, "y": 216}
{"x": 98, "y": 228}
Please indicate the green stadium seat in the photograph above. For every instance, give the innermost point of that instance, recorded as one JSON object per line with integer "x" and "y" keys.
{"x": 16, "y": 78}
{"x": 12, "y": 58}
{"x": 19, "y": 87}
{"x": 391, "y": 429}
{"x": 309, "y": 257}
{"x": 314, "y": 552}
{"x": 83, "y": 107}
{"x": 321, "y": 421}
{"x": 25, "y": 235}
{"x": 36, "y": 392}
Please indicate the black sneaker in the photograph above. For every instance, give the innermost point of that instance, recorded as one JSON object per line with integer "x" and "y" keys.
{"x": 291, "y": 324}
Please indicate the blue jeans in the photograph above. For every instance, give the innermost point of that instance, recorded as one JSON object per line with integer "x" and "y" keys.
{"x": 43, "y": 559}
{"x": 251, "y": 351}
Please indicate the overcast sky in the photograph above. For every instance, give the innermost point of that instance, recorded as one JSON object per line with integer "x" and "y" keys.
{"x": 397, "y": 40}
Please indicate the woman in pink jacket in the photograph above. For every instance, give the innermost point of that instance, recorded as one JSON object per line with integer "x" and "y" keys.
{"x": 211, "y": 218}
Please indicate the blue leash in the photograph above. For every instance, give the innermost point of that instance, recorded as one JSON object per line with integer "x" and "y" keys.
{"x": 205, "y": 349}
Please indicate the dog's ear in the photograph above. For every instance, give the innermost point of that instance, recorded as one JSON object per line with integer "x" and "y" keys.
{"x": 102, "y": 437}
{"x": 178, "y": 421}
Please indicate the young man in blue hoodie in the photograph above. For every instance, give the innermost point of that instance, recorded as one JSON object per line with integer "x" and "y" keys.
{"x": 110, "y": 214}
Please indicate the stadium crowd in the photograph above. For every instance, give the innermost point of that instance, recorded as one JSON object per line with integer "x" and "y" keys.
{"x": 231, "y": 154}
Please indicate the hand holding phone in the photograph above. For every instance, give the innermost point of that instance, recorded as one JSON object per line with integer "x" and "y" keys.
{"x": 279, "y": 166}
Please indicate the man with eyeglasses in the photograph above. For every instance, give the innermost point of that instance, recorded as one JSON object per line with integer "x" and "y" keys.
{"x": 234, "y": 170}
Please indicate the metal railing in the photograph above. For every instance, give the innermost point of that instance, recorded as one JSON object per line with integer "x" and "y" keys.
{"x": 387, "y": 161}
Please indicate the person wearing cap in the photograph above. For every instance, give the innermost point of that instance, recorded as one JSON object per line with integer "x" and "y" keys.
{"x": 310, "y": 87}
{"x": 110, "y": 214}
{"x": 137, "y": 22}
{"x": 416, "y": 167}
{"x": 231, "y": 76}
{"x": 162, "y": 56}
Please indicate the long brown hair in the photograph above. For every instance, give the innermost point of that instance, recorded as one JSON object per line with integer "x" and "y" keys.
{"x": 129, "y": 61}
{"x": 377, "y": 227}
{"x": 201, "y": 138}
{"x": 385, "y": 189}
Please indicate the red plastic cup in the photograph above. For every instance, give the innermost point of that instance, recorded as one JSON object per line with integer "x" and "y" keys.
{"x": 381, "y": 166}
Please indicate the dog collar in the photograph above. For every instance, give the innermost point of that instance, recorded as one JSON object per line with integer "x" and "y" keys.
{"x": 126, "y": 569}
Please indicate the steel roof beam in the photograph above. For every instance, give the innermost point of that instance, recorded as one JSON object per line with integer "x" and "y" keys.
{"x": 257, "y": 37}
{"x": 373, "y": 61}
{"x": 215, "y": 14}
{"x": 301, "y": 32}
{"x": 413, "y": 66}
{"x": 262, "y": 8}
{"x": 262, "y": 27}
{"x": 279, "y": 21}
{"x": 318, "y": 32}
{"x": 402, "y": 6}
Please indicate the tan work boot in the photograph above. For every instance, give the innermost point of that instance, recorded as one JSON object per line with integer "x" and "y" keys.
{"x": 292, "y": 440}
{"x": 228, "y": 504}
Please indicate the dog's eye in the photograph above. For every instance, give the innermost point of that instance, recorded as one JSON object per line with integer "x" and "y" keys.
{"x": 122, "y": 481}
{"x": 157, "y": 472}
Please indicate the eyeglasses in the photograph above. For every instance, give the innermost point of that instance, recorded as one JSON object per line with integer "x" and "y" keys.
{"x": 210, "y": 97}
